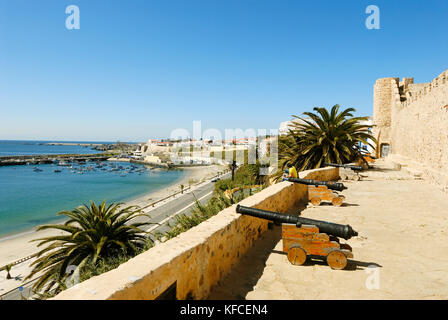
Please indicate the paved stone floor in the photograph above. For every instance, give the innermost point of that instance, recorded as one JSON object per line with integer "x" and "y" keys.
{"x": 401, "y": 251}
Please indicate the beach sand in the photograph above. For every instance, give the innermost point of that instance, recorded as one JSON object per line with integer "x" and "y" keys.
{"x": 15, "y": 247}
{"x": 19, "y": 246}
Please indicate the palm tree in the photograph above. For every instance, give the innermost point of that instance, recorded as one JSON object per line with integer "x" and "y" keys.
{"x": 324, "y": 137}
{"x": 94, "y": 232}
{"x": 233, "y": 166}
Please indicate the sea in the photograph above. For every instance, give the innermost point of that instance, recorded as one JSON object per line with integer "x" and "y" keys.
{"x": 28, "y": 148}
{"x": 32, "y": 195}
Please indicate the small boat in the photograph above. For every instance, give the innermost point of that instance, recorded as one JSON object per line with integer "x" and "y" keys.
{"x": 57, "y": 171}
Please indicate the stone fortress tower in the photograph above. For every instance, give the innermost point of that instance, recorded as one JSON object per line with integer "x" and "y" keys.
{"x": 382, "y": 112}
{"x": 388, "y": 94}
{"x": 411, "y": 121}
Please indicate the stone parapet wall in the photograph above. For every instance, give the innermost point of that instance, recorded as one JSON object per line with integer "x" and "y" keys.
{"x": 419, "y": 91}
{"x": 418, "y": 129}
{"x": 198, "y": 258}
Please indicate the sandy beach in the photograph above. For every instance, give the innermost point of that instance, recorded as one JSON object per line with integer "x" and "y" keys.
{"x": 15, "y": 247}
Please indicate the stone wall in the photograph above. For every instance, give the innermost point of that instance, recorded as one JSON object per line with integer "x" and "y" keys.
{"x": 198, "y": 258}
{"x": 382, "y": 109}
{"x": 418, "y": 129}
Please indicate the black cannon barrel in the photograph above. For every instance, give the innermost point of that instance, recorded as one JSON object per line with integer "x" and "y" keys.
{"x": 347, "y": 166}
{"x": 330, "y": 184}
{"x": 268, "y": 215}
{"x": 334, "y": 229}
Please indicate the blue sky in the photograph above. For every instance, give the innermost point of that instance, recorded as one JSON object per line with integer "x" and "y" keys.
{"x": 138, "y": 69}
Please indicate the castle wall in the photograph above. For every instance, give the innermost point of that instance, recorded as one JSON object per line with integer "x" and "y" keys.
{"x": 415, "y": 121}
{"x": 382, "y": 110}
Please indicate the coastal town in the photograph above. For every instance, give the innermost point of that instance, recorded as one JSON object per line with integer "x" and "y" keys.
{"x": 163, "y": 153}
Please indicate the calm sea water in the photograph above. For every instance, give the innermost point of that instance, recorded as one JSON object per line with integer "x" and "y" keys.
{"x": 15, "y": 148}
{"x": 29, "y": 197}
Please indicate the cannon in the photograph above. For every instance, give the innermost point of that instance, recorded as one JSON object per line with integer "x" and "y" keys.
{"x": 346, "y": 166}
{"x": 352, "y": 172}
{"x": 338, "y": 230}
{"x": 303, "y": 237}
{"x": 319, "y": 191}
{"x": 329, "y": 184}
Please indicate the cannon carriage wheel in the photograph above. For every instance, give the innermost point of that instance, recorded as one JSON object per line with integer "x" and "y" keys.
{"x": 316, "y": 201}
{"x": 337, "y": 201}
{"x": 337, "y": 260}
{"x": 296, "y": 255}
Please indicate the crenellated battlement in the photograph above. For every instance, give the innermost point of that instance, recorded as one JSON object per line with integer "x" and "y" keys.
{"x": 426, "y": 88}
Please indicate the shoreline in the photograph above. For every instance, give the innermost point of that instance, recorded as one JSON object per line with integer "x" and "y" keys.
{"x": 16, "y": 246}
{"x": 17, "y": 234}
{"x": 140, "y": 198}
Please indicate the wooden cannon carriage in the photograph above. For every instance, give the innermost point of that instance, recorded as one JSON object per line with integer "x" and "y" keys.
{"x": 319, "y": 191}
{"x": 317, "y": 194}
{"x": 351, "y": 172}
{"x": 302, "y": 237}
{"x": 306, "y": 241}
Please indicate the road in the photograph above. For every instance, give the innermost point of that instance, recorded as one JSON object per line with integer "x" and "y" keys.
{"x": 160, "y": 217}
{"x": 166, "y": 214}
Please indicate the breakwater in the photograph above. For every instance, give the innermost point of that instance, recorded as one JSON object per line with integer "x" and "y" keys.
{"x": 47, "y": 159}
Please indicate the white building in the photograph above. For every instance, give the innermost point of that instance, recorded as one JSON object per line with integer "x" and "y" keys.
{"x": 363, "y": 146}
{"x": 195, "y": 160}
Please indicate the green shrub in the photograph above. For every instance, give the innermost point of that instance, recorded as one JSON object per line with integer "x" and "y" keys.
{"x": 202, "y": 212}
{"x": 109, "y": 263}
{"x": 245, "y": 175}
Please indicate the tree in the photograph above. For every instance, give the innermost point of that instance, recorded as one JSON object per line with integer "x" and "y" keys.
{"x": 182, "y": 188}
{"x": 232, "y": 167}
{"x": 324, "y": 137}
{"x": 8, "y": 270}
{"x": 94, "y": 232}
